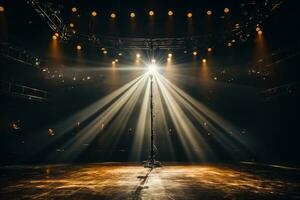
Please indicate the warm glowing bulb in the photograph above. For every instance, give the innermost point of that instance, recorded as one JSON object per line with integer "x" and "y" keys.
{"x": 71, "y": 25}
{"x": 116, "y": 60}
{"x": 195, "y": 53}
{"x": 153, "y": 61}
{"x": 94, "y": 13}
{"x": 209, "y": 12}
{"x": 78, "y": 47}
{"x": 54, "y": 37}
{"x": 203, "y": 60}
{"x": 151, "y": 12}
{"x": 74, "y": 9}
{"x": 257, "y": 29}
{"x": 170, "y": 13}
{"x": 260, "y": 32}
{"x": 2, "y": 9}
{"x": 113, "y": 62}
{"x": 226, "y": 10}
{"x": 189, "y": 15}
{"x": 132, "y": 15}
{"x": 113, "y": 15}
{"x": 104, "y": 52}
{"x": 56, "y": 34}
{"x": 169, "y": 59}
{"x": 138, "y": 55}
{"x": 209, "y": 49}
{"x": 170, "y": 55}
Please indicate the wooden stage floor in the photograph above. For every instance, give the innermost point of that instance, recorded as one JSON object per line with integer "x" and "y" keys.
{"x": 132, "y": 181}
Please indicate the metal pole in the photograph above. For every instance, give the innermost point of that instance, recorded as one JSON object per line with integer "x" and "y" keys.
{"x": 151, "y": 120}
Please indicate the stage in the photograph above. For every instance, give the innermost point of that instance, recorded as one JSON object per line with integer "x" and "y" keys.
{"x": 132, "y": 181}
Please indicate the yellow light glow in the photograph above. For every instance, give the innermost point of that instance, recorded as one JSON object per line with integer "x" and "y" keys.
{"x": 189, "y": 15}
{"x": 151, "y": 12}
{"x": 203, "y": 60}
{"x": 209, "y": 49}
{"x": 132, "y": 14}
{"x": 116, "y": 60}
{"x": 226, "y": 10}
{"x": 78, "y": 47}
{"x": 113, "y": 15}
{"x": 74, "y": 9}
{"x": 54, "y": 37}
{"x": 169, "y": 59}
{"x": 71, "y": 25}
{"x": 257, "y": 29}
{"x": 209, "y": 12}
{"x": 104, "y": 52}
{"x": 170, "y": 55}
{"x": 195, "y": 53}
{"x": 94, "y": 13}
{"x": 138, "y": 55}
{"x": 56, "y": 34}
{"x": 170, "y": 13}
{"x": 260, "y": 32}
{"x": 113, "y": 62}
{"x": 2, "y": 9}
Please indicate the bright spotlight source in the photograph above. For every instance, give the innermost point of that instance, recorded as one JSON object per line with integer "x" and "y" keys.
{"x": 257, "y": 29}
{"x": 138, "y": 55}
{"x": 189, "y": 15}
{"x": 226, "y": 10}
{"x": 170, "y": 13}
{"x": 195, "y": 53}
{"x": 260, "y": 32}
{"x": 2, "y": 9}
{"x": 94, "y": 13}
{"x": 169, "y": 59}
{"x": 56, "y": 34}
{"x": 74, "y": 9}
{"x": 132, "y": 14}
{"x": 209, "y": 49}
{"x": 113, "y": 15}
{"x": 170, "y": 55}
{"x": 153, "y": 61}
{"x": 54, "y": 37}
{"x": 152, "y": 68}
{"x": 104, "y": 52}
{"x": 151, "y": 12}
{"x": 71, "y": 25}
{"x": 78, "y": 47}
{"x": 209, "y": 12}
{"x": 203, "y": 60}
{"x": 229, "y": 44}
{"x": 113, "y": 62}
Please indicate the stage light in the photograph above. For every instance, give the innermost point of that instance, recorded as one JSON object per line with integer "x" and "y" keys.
{"x": 116, "y": 60}
{"x": 2, "y": 9}
{"x": 209, "y": 49}
{"x": 203, "y": 60}
{"x": 209, "y": 12}
{"x": 189, "y": 15}
{"x": 113, "y": 62}
{"x": 170, "y": 13}
{"x": 169, "y": 59}
{"x": 54, "y": 37}
{"x": 257, "y": 29}
{"x": 102, "y": 48}
{"x": 120, "y": 54}
{"x": 132, "y": 14}
{"x": 71, "y": 25}
{"x": 113, "y": 15}
{"x": 94, "y": 13}
{"x": 229, "y": 44}
{"x": 226, "y": 10}
{"x": 104, "y": 52}
{"x": 153, "y": 61}
{"x": 138, "y": 55}
{"x": 151, "y": 12}
{"x": 78, "y": 47}
{"x": 88, "y": 78}
{"x": 56, "y": 34}
{"x": 74, "y": 9}
{"x": 195, "y": 53}
{"x": 170, "y": 55}
{"x": 152, "y": 68}
{"x": 260, "y": 32}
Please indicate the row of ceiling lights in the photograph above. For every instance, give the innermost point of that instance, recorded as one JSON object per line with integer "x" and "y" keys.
{"x": 150, "y": 13}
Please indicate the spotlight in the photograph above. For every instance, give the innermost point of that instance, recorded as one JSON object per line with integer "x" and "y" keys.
{"x": 113, "y": 62}
{"x": 102, "y": 48}
{"x": 54, "y": 37}
{"x": 169, "y": 59}
{"x": 151, "y": 12}
{"x": 170, "y": 55}
{"x": 209, "y": 49}
{"x": 229, "y": 44}
{"x": 94, "y": 13}
{"x": 113, "y": 15}
{"x": 138, "y": 55}
{"x": 132, "y": 14}
{"x": 226, "y": 10}
{"x": 74, "y": 9}
{"x": 78, "y": 47}
{"x": 260, "y": 32}
{"x": 257, "y": 29}
{"x": 2, "y": 9}
{"x": 153, "y": 61}
{"x": 189, "y": 15}
{"x": 170, "y": 13}
{"x": 71, "y": 25}
{"x": 209, "y": 12}
{"x": 104, "y": 52}
{"x": 120, "y": 54}
{"x": 116, "y": 60}
{"x": 56, "y": 34}
{"x": 203, "y": 60}
{"x": 195, "y": 53}
{"x": 152, "y": 68}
